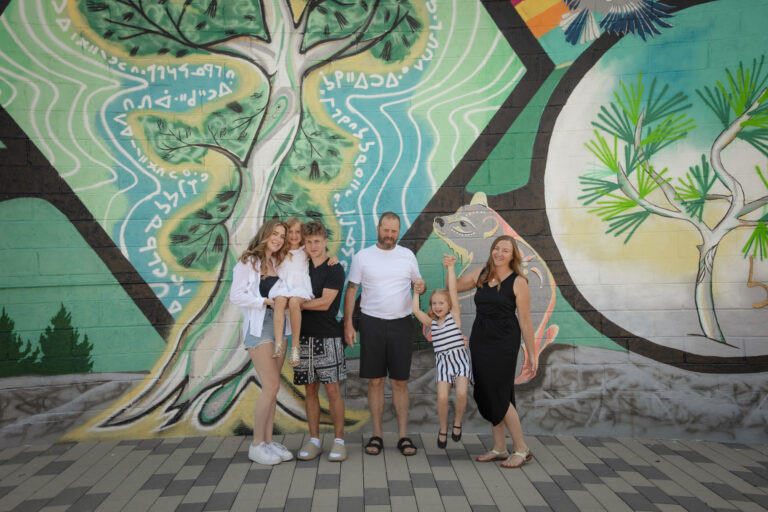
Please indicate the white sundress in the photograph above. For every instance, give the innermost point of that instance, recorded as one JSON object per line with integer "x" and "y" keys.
{"x": 293, "y": 275}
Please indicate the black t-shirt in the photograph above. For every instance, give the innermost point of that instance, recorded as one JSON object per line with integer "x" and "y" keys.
{"x": 323, "y": 324}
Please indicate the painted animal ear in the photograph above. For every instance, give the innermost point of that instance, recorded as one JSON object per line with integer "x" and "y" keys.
{"x": 480, "y": 198}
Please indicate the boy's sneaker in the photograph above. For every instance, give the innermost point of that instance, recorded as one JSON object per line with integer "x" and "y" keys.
{"x": 281, "y": 451}
{"x": 261, "y": 454}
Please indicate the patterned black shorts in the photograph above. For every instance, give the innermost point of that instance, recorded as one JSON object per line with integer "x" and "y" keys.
{"x": 321, "y": 360}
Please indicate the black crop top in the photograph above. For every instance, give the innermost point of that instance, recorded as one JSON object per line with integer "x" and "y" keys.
{"x": 266, "y": 284}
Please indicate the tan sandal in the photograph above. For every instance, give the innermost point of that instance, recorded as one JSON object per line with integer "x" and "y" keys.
{"x": 525, "y": 457}
{"x": 279, "y": 348}
{"x": 493, "y": 456}
{"x": 294, "y": 359}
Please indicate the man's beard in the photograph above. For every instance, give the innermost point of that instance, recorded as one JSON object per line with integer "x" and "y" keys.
{"x": 387, "y": 243}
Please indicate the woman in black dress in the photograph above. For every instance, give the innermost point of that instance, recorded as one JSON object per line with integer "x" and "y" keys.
{"x": 495, "y": 342}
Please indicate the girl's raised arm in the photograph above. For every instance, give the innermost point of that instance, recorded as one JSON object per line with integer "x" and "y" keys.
{"x": 450, "y": 283}
{"x": 422, "y": 316}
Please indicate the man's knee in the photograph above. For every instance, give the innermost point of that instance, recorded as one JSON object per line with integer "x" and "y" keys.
{"x": 399, "y": 385}
{"x": 377, "y": 383}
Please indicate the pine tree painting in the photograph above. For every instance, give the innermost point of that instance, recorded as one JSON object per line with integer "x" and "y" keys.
{"x": 632, "y": 185}
{"x": 16, "y": 357}
{"x": 63, "y": 350}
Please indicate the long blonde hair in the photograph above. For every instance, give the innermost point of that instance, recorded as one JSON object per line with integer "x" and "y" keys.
{"x": 447, "y": 294}
{"x": 289, "y": 222}
{"x": 257, "y": 248}
{"x": 489, "y": 271}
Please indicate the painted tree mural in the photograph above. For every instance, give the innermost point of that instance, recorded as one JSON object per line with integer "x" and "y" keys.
{"x": 631, "y": 131}
{"x": 270, "y": 132}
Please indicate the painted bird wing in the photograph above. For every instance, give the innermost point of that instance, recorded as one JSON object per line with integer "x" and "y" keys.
{"x": 641, "y": 17}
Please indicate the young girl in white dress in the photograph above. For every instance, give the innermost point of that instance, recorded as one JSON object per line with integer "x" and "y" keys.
{"x": 451, "y": 356}
{"x": 292, "y": 289}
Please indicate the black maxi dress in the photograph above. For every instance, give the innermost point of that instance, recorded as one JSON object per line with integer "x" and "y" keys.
{"x": 494, "y": 345}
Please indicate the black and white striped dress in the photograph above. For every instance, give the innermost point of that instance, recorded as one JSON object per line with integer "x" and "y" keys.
{"x": 451, "y": 357}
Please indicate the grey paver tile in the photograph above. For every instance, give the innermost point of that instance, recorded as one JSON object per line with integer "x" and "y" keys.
{"x": 449, "y": 488}
{"x": 655, "y": 495}
{"x": 178, "y": 488}
{"x": 248, "y": 497}
{"x": 89, "y": 502}
{"x": 585, "y": 476}
{"x": 68, "y": 496}
{"x": 403, "y": 503}
{"x": 423, "y": 480}
{"x": 327, "y": 481}
{"x": 400, "y": 488}
{"x": 692, "y": 504}
{"x": 585, "y": 501}
{"x": 257, "y": 475}
{"x": 220, "y": 501}
{"x": 607, "y": 498}
{"x": 198, "y": 494}
{"x": 351, "y": 503}
{"x": 142, "y": 500}
{"x": 30, "y": 505}
{"x": 555, "y": 497}
{"x": 376, "y": 496}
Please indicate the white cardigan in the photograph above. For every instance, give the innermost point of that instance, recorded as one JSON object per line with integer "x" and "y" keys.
{"x": 245, "y": 293}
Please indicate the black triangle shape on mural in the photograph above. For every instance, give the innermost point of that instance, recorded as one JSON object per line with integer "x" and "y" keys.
{"x": 25, "y": 172}
{"x": 538, "y": 66}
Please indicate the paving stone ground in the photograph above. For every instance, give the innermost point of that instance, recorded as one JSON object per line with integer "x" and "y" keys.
{"x": 214, "y": 474}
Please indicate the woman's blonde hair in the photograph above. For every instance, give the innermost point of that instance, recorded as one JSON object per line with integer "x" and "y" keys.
{"x": 442, "y": 291}
{"x": 489, "y": 271}
{"x": 257, "y": 248}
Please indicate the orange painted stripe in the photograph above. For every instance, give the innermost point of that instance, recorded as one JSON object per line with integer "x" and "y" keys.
{"x": 547, "y": 20}
{"x": 530, "y": 9}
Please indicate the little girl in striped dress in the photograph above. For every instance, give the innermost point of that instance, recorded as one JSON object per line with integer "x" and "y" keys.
{"x": 451, "y": 356}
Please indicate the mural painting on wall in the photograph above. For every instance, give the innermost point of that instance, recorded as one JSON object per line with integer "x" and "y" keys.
{"x": 188, "y": 123}
{"x": 206, "y": 117}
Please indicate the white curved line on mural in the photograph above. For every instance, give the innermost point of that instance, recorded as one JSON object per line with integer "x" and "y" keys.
{"x": 72, "y": 103}
{"x": 53, "y": 101}
{"x": 14, "y": 92}
{"x": 143, "y": 84}
{"x": 431, "y": 109}
{"x": 433, "y": 69}
{"x": 430, "y": 95}
{"x": 431, "y": 98}
{"x": 505, "y": 90}
{"x": 112, "y": 84}
{"x": 469, "y": 122}
{"x": 32, "y": 106}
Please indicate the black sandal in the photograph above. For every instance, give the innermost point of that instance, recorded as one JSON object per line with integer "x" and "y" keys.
{"x": 442, "y": 444}
{"x": 404, "y": 444}
{"x": 456, "y": 437}
{"x": 376, "y": 443}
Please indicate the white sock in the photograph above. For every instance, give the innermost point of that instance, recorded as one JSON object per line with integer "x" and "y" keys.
{"x": 339, "y": 441}
{"x": 315, "y": 441}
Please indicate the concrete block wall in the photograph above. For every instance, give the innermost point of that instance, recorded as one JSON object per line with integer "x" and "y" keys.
{"x": 134, "y": 169}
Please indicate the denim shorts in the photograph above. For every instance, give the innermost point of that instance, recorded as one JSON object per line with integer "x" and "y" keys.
{"x": 267, "y": 332}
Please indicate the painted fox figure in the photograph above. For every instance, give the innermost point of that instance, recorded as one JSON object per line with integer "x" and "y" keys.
{"x": 469, "y": 233}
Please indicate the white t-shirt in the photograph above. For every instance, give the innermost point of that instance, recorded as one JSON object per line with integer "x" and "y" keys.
{"x": 385, "y": 277}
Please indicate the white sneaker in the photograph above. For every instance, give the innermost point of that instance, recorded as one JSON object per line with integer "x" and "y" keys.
{"x": 281, "y": 451}
{"x": 261, "y": 454}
